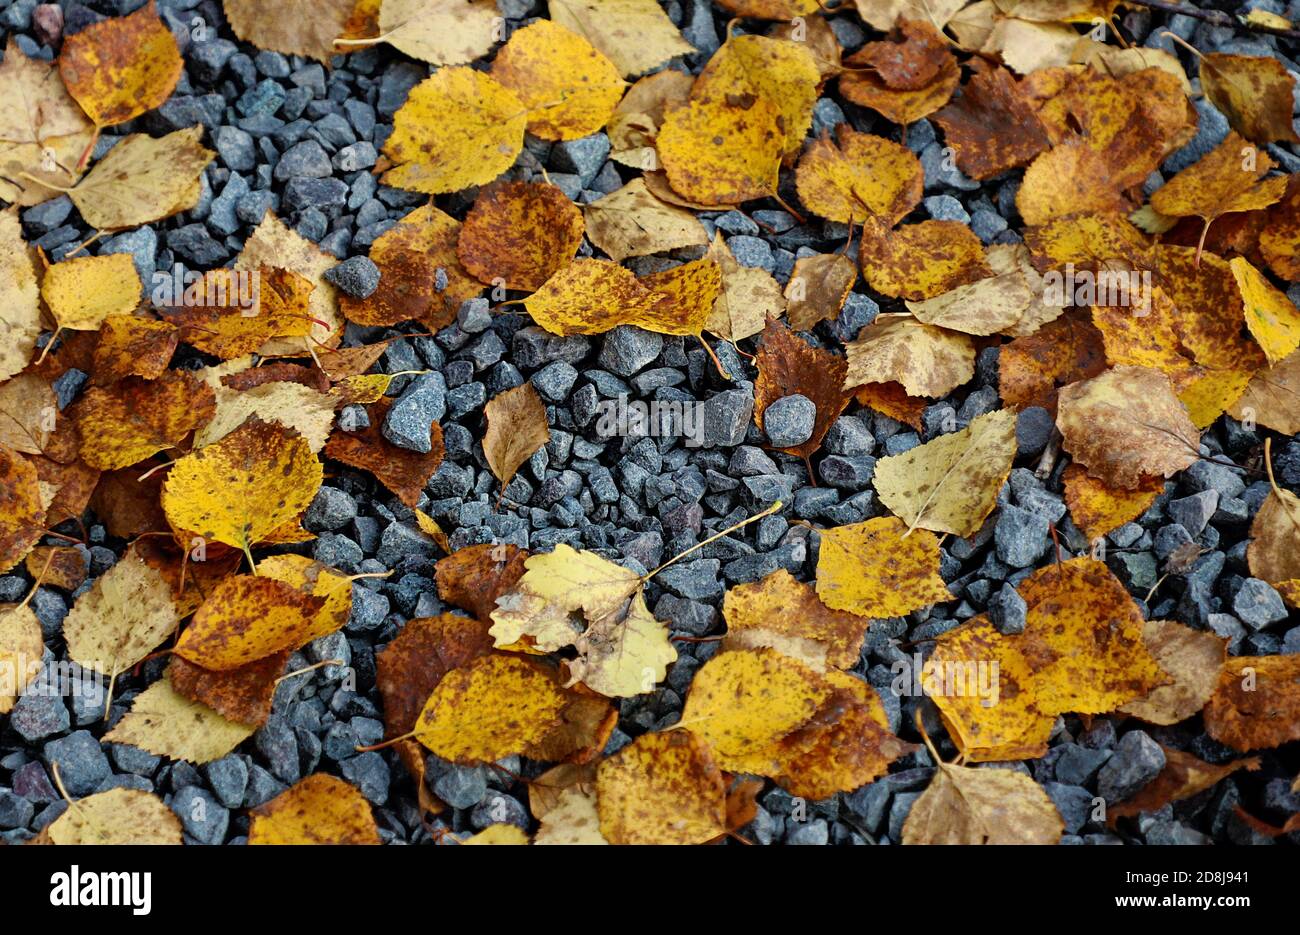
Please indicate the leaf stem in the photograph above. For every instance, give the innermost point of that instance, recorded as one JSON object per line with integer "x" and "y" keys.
{"x": 717, "y": 535}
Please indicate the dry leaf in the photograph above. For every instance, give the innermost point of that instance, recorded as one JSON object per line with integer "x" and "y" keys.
{"x": 1255, "y": 704}
{"x": 320, "y": 809}
{"x": 818, "y": 287}
{"x": 165, "y": 723}
{"x": 120, "y": 68}
{"x": 143, "y": 179}
{"x": 926, "y": 360}
{"x": 520, "y": 233}
{"x": 632, "y": 222}
{"x": 636, "y": 35}
{"x": 787, "y": 365}
{"x": 879, "y": 568}
{"x": 118, "y": 816}
{"x": 1193, "y": 658}
{"x": 982, "y": 806}
{"x": 401, "y": 470}
{"x": 1253, "y": 92}
{"x": 662, "y": 788}
{"x": 516, "y": 428}
{"x": 294, "y": 27}
{"x": 862, "y": 174}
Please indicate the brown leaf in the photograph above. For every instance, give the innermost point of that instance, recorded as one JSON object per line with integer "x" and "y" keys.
{"x": 1183, "y": 776}
{"x": 520, "y": 233}
{"x": 243, "y": 695}
{"x": 1032, "y": 369}
{"x": 516, "y": 427}
{"x": 787, "y": 365}
{"x": 401, "y": 470}
{"x": 1253, "y": 92}
{"x": 992, "y": 127}
{"x": 818, "y": 288}
{"x": 475, "y": 576}
{"x": 22, "y": 515}
{"x": 1256, "y": 705}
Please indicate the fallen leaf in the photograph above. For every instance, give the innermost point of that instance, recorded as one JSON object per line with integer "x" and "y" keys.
{"x": 1098, "y": 508}
{"x": 982, "y": 806}
{"x": 951, "y": 483}
{"x": 574, "y": 819}
{"x": 440, "y": 32}
{"x": 1126, "y": 424}
{"x": 780, "y": 71}
{"x": 567, "y": 86}
{"x": 247, "y": 618}
{"x": 589, "y": 297}
{"x": 124, "y": 616}
{"x": 241, "y": 489}
{"x": 401, "y": 470}
{"x": 165, "y": 723}
{"x": 636, "y": 35}
{"x": 1032, "y": 369}
{"x": 272, "y": 245}
{"x": 749, "y": 296}
{"x": 491, "y": 707}
{"x": 244, "y": 695}
{"x": 499, "y": 833}
{"x": 1072, "y": 178}
{"x": 892, "y": 400}
{"x": 516, "y": 428}
{"x": 632, "y": 222}
{"x": 636, "y": 121}
{"x": 143, "y": 179}
{"x": 921, "y": 261}
{"x": 1229, "y": 178}
{"x": 984, "y": 307}
{"x": 125, "y": 423}
{"x": 1192, "y": 658}
{"x": 912, "y": 78}
{"x": 925, "y": 360}
{"x": 29, "y": 416}
{"x": 817, "y": 289}
{"x": 862, "y": 174}
{"x": 22, "y": 512}
{"x": 722, "y": 151}
{"x": 458, "y": 128}
{"x": 879, "y": 568}
{"x": 1254, "y": 705}
{"x": 294, "y": 27}
{"x": 1272, "y": 397}
{"x": 787, "y": 365}
{"x": 22, "y": 647}
{"x": 1182, "y": 777}
{"x": 475, "y": 576}
{"x": 1272, "y": 554}
{"x": 520, "y": 234}
{"x": 318, "y": 580}
{"x": 119, "y": 68}
{"x": 885, "y": 14}
{"x": 783, "y": 613}
{"x": 83, "y": 291}
{"x": 20, "y": 320}
{"x": 622, "y": 651}
{"x": 662, "y": 788}
{"x": 320, "y": 809}
{"x": 292, "y": 405}
{"x": 130, "y": 345}
{"x": 685, "y": 298}
{"x": 1270, "y": 315}
{"x": 1253, "y": 92}
{"x": 117, "y": 816}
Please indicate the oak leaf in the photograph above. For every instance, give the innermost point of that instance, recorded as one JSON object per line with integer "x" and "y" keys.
{"x": 951, "y": 483}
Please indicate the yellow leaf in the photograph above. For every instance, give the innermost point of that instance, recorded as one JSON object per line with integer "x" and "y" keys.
{"x": 921, "y": 261}
{"x": 573, "y": 819}
{"x": 125, "y": 423}
{"x": 779, "y": 70}
{"x": 926, "y": 360}
{"x": 318, "y": 580}
{"x": 125, "y": 616}
{"x": 741, "y": 702}
{"x": 516, "y": 428}
{"x": 623, "y": 649}
{"x": 662, "y": 788}
{"x": 687, "y": 295}
{"x": 143, "y": 179}
{"x": 499, "y": 833}
{"x": 320, "y": 809}
{"x": 569, "y": 88}
{"x": 35, "y": 106}
{"x": 1126, "y": 424}
{"x": 440, "y": 32}
{"x": 632, "y": 222}
{"x": 1253, "y": 92}
{"x": 721, "y": 151}
{"x": 119, "y": 68}
{"x": 246, "y": 618}
{"x": 20, "y": 311}
{"x": 21, "y": 649}
{"x": 783, "y": 613}
{"x": 492, "y": 707}
{"x": 749, "y": 296}
{"x": 1272, "y": 397}
{"x": 862, "y": 174}
{"x": 1227, "y": 179}
{"x": 458, "y": 128}
{"x": 242, "y": 488}
{"x": 83, "y": 291}
{"x": 951, "y": 483}
{"x": 982, "y": 806}
{"x": 519, "y": 232}
{"x": 118, "y": 816}
{"x": 165, "y": 723}
{"x": 878, "y": 568}
{"x": 22, "y": 508}
{"x": 1098, "y": 508}
{"x": 1270, "y": 315}
{"x": 636, "y": 35}
{"x": 589, "y": 297}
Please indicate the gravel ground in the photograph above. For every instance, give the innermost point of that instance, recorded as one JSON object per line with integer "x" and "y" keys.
{"x": 301, "y": 140}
